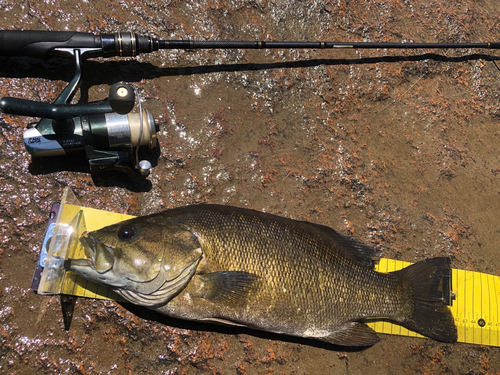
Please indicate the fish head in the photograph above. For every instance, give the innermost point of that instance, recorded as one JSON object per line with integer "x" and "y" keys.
{"x": 146, "y": 262}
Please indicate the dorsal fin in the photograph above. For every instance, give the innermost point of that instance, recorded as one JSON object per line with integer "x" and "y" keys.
{"x": 361, "y": 253}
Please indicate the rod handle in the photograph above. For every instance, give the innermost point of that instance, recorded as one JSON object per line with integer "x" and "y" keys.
{"x": 44, "y": 44}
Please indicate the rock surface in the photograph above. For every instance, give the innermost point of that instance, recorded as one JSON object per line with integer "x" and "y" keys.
{"x": 397, "y": 148}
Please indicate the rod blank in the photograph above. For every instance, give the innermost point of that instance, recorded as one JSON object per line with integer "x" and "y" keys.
{"x": 191, "y": 44}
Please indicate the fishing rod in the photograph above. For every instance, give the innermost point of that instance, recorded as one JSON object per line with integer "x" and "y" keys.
{"x": 109, "y": 134}
{"x": 61, "y": 43}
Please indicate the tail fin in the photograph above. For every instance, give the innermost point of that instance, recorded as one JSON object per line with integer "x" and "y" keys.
{"x": 430, "y": 316}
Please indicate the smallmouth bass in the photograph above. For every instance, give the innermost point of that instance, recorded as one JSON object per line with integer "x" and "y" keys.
{"x": 238, "y": 266}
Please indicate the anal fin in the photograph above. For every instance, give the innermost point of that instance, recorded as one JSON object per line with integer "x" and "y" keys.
{"x": 353, "y": 334}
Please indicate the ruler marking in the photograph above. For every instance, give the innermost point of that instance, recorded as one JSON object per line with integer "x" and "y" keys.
{"x": 477, "y": 306}
{"x": 459, "y": 298}
{"x": 484, "y": 335}
{"x": 461, "y": 305}
{"x": 490, "y": 335}
{"x": 473, "y": 306}
{"x": 491, "y": 317}
{"x": 496, "y": 301}
{"x": 456, "y": 294}
{"x": 494, "y": 324}
{"x": 85, "y": 287}
{"x": 465, "y": 307}
{"x": 483, "y": 338}
{"x": 385, "y": 328}
{"x": 460, "y": 284}
{"x": 488, "y": 313}
{"x": 473, "y": 309}
{"x": 100, "y": 290}
{"x": 382, "y": 325}
{"x": 469, "y": 306}
{"x": 94, "y": 289}
{"x": 88, "y": 288}
{"x": 464, "y": 313}
{"x": 479, "y": 332}
{"x": 495, "y": 280}
{"x": 398, "y": 265}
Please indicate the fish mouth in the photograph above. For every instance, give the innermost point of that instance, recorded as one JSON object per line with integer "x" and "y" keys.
{"x": 100, "y": 258}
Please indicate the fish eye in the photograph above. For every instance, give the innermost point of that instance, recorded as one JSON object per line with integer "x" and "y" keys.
{"x": 126, "y": 232}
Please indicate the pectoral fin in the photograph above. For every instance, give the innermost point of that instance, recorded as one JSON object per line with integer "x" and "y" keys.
{"x": 228, "y": 287}
{"x": 353, "y": 334}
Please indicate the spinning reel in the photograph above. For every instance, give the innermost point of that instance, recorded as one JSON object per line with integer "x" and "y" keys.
{"x": 106, "y": 130}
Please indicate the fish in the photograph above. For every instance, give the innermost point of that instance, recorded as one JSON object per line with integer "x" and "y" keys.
{"x": 242, "y": 267}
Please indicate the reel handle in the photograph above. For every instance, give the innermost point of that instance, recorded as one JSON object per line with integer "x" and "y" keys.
{"x": 121, "y": 101}
{"x": 24, "y": 107}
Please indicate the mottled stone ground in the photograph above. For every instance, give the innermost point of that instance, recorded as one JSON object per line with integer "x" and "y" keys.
{"x": 397, "y": 148}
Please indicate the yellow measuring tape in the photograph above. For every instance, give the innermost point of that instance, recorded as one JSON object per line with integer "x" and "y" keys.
{"x": 474, "y": 303}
